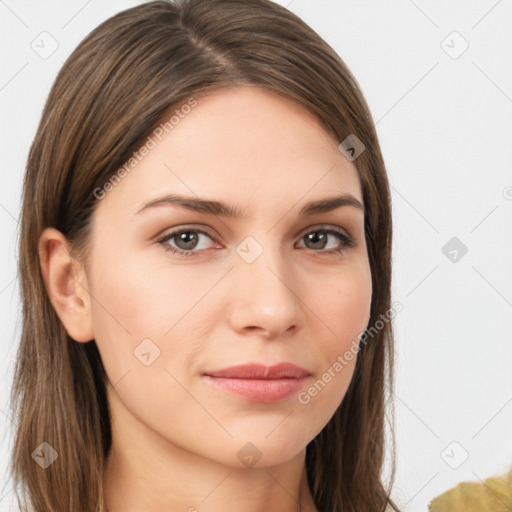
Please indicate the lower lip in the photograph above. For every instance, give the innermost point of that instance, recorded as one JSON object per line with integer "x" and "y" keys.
{"x": 259, "y": 390}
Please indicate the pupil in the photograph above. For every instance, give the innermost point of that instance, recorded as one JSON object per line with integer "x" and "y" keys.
{"x": 183, "y": 238}
{"x": 315, "y": 236}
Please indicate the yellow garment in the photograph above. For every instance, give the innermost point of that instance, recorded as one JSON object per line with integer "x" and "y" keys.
{"x": 493, "y": 495}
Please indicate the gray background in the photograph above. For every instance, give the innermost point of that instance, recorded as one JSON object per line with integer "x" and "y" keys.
{"x": 443, "y": 115}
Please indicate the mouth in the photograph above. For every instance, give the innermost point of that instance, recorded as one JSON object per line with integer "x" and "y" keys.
{"x": 260, "y": 383}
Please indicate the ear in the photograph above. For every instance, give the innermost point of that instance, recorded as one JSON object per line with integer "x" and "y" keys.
{"x": 66, "y": 284}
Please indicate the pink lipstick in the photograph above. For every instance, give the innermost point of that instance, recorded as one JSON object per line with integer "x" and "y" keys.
{"x": 260, "y": 383}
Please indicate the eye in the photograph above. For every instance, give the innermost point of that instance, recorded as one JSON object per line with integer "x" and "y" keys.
{"x": 320, "y": 237}
{"x": 185, "y": 240}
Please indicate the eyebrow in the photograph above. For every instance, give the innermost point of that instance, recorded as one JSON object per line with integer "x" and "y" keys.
{"x": 224, "y": 210}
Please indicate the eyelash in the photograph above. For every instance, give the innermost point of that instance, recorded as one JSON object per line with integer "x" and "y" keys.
{"x": 347, "y": 242}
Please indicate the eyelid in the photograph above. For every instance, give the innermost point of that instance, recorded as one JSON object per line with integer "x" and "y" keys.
{"x": 325, "y": 227}
{"x": 169, "y": 232}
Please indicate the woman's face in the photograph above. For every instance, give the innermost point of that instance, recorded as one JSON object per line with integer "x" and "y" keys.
{"x": 265, "y": 285}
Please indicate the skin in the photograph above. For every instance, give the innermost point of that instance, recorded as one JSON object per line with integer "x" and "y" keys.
{"x": 175, "y": 437}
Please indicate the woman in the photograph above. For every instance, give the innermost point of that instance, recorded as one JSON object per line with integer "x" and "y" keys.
{"x": 205, "y": 259}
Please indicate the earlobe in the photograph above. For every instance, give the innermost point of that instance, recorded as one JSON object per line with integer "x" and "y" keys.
{"x": 66, "y": 285}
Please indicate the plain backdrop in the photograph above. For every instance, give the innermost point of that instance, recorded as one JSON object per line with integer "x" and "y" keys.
{"x": 438, "y": 79}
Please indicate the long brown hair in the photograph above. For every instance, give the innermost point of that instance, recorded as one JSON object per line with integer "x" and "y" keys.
{"x": 110, "y": 93}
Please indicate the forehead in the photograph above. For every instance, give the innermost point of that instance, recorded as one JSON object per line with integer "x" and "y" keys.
{"x": 247, "y": 146}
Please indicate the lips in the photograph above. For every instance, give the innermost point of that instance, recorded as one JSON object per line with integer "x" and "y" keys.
{"x": 260, "y": 383}
{"x": 261, "y": 371}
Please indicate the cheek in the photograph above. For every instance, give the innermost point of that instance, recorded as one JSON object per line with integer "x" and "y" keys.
{"x": 136, "y": 300}
{"x": 344, "y": 307}
{"x": 346, "y": 310}
{"x": 143, "y": 334}
{"x": 353, "y": 306}
{"x": 126, "y": 309}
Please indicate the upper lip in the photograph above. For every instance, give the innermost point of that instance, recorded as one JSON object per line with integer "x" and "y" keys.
{"x": 261, "y": 371}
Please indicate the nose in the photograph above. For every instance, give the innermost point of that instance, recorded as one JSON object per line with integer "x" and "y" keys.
{"x": 265, "y": 296}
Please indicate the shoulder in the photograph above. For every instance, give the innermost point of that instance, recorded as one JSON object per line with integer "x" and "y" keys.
{"x": 493, "y": 495}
